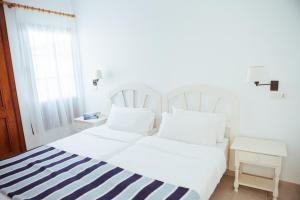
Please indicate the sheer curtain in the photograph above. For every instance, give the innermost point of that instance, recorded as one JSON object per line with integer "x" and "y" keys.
{"x": 51, "y": 72}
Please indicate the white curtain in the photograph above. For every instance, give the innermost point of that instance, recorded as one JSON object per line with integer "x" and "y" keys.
{"x": 51, "y": 72}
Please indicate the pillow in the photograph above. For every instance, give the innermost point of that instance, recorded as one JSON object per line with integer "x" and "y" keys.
{"x": 137, "y": 120}
{"x": 219, "y": 118}
{"x": 188, "y": 128}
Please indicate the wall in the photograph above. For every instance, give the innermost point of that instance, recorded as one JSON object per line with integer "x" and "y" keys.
{"x": 168, "y": 43}
{"x": 61, "y": 5}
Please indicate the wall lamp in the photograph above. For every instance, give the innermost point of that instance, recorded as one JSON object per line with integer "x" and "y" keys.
{"x": 257, "y": 73}
{"x": 98, "y": 77}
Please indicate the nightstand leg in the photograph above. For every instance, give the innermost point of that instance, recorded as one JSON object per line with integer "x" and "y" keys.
{"x": 236, "y": 179}
{"x": 276, "y": 182}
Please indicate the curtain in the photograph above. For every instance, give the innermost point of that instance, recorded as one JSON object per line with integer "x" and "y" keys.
{"x": 51, "y": 72}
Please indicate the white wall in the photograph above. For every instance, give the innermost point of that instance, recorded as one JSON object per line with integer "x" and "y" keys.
{"x": 168, "y": 43}
{"x": 60, "y": 5}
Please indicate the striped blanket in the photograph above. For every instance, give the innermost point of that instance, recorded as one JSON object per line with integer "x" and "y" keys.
{"x": 50, "y": 173}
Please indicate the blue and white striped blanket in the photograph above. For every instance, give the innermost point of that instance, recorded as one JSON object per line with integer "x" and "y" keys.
{"x": 49, "y": 173}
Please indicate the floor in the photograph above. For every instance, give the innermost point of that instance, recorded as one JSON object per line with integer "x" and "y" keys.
{"x": 224, "y": 191}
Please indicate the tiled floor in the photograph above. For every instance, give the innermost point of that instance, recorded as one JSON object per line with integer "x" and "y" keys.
{"x": 224, "y": 191}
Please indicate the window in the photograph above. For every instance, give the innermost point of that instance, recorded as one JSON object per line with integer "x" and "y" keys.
{"x": 52, "y": 64}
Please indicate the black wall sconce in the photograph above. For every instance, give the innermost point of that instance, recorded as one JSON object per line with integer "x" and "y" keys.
{"x": 273, "y": 85}
{"x": 98, "y": 77}
{"x": 256, "y": 73}
{"x": 95, "y": 81}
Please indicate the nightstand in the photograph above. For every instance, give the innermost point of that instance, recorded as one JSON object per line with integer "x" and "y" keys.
{"x": 81, "y": 124}
{"x": 260, "y": 152}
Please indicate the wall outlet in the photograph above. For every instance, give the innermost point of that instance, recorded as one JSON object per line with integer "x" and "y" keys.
{"x": 277, "y": 95}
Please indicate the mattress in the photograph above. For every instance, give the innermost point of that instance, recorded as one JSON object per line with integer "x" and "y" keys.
{"x": 99, "y": 143}
{"x": 175, "y": 162}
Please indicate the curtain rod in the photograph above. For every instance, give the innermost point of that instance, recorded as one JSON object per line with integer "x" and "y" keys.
{"x": 26, "y": 7}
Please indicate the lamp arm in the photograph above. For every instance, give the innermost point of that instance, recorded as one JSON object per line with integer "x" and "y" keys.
{"x": 259, "y": 84}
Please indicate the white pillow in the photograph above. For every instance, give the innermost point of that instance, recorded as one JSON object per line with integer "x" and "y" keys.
{"x": 137, "y": 120}
{"x": 219, "y": 118}
{"x": 187, "y": 128}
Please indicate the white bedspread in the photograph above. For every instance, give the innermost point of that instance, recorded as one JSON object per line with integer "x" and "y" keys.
{"x": 99, "y": 143}
{"x": 198, "y": 167}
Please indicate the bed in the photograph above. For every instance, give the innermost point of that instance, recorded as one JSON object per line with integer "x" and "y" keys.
{"x": 182, "y": 163}
{"x": 102, "y": 142}
{"x": 149, "y": 167}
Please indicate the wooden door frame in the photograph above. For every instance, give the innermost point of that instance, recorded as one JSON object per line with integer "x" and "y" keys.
{"x": 11, "y": 78}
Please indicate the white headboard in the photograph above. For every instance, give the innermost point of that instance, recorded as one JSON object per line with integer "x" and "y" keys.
{"x": 138, "y": 95}
{"x": 207, "y": 99}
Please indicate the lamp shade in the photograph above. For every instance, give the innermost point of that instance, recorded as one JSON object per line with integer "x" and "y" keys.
{"x": 99, "y": 74}
{"x": 255, "y": 73}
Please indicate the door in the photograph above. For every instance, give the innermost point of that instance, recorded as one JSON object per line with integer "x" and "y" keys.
{"x": 11, "y": 131}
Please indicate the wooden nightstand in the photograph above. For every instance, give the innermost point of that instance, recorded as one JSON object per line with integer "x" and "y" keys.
{"x": 261, "y": 152}
{"x": 81, "y": 124}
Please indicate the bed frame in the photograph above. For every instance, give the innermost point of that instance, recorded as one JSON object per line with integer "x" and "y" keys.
{"x": 137, "y": 95}
{"x": 207, "y": 99}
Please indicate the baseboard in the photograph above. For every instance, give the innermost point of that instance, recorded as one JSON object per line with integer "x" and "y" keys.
{"x": 282, "y": 183}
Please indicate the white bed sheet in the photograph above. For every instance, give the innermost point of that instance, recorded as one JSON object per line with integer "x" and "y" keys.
{"x": 198, "y": 167}
{"x": 224, "y": 146}
{"x": 99, "y": 143}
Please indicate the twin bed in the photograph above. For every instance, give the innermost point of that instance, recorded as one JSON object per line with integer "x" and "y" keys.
{"x": 117, "y": 164}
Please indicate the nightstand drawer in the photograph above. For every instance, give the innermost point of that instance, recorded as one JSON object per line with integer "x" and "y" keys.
{"x": 259, "y": 159}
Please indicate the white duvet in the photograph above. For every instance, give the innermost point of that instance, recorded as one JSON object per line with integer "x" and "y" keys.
{"x": 99, "y": 142}
{"x": 198, "y": 167}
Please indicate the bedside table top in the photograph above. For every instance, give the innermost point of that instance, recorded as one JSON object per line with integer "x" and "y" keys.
{"x": 90, "y": 121}
{"x": 257, "y": 145}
